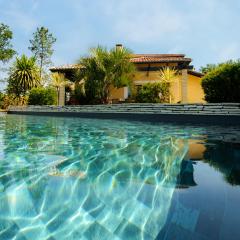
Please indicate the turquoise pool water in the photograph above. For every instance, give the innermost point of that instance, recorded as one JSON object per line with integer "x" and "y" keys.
{"x": 66, "y": 178}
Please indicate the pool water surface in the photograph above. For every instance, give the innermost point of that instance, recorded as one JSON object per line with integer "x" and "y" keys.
{"x": 73, "y": 178}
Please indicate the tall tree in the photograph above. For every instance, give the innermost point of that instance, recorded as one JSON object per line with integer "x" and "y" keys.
{"x": 42, "y": 47}
{"x": 6, "y": 50}
{"x": 211, "y": 67}
{"x": 208, "y": 68}
{"x": 24, "y": 75}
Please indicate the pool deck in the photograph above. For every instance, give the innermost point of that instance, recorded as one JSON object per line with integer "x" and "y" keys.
{"x": 214, "y": 113}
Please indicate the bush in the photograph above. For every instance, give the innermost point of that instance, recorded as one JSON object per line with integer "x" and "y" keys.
{"x": 153, "y": 93}
{"x": 42, "y": 96}
{"x": 222, "y": 84}
{"x": 7, "y": 100}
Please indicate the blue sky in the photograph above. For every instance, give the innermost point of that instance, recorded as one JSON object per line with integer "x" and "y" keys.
{"x": 205, "y": 30}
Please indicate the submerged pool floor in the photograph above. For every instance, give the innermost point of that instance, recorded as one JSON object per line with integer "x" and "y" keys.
{"x": 73, "y": 178}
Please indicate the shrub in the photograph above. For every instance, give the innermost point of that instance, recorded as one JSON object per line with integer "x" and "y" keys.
{"x": 7, "y": 100}
{"x": 222, "y": 84}
{"x": 42, "y": 96}
{"x": 153, "y": 93}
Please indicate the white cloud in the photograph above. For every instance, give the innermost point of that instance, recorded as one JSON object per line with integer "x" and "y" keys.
{"x": 138, "y": 21}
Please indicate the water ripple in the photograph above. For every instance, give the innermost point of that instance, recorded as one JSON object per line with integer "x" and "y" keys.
{"x": 87, "y": 179}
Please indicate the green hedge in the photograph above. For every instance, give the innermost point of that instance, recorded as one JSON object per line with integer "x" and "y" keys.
{"x": 222, "y": 84}
{"x": 153, "y": 93}
{"x": 42, "y": 96}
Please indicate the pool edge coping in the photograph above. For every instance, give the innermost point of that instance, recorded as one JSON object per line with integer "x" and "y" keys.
{"x": 186, "y": 118}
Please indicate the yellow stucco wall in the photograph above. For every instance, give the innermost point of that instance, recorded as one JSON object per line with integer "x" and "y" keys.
{"x": 195, "y": 91}
{"x": 146, "y": 76}
{"x": 175, "y": 91}
{"x": 117, "y": 93}
{"x": 154, "y": 76}
{"x": 157, "y": 65}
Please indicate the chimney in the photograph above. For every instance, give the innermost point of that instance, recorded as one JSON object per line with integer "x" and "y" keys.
{"x": 119, "y": 46}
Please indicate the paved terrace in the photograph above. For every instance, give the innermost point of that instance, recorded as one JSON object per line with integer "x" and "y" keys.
{"x": 215, "y": 113}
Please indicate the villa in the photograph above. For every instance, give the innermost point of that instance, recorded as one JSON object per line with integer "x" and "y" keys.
{"x": 185, "y": 89}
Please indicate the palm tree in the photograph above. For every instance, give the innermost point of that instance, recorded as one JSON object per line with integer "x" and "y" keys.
{"x": 58, "y": 81}
{"x": 123, "y": 69}
{"x": 92, "y": 73}
{"x": 24, "y": 75}
{"x": 104, "y": 68}
{"x": 168, "y": 75}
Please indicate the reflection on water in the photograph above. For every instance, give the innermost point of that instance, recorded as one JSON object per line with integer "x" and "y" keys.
{"x": 186, "y": 175}
{"x": 210, "y": 209}
{"x": 225, "y": 158}
{"x": 64, "y": 178}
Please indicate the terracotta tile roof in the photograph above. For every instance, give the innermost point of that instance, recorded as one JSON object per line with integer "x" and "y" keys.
{"x": 159, "y": 58}
{"x": 137, "y": 58}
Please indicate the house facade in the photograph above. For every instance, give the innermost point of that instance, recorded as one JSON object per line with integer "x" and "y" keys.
{"x": 186, "y": 88}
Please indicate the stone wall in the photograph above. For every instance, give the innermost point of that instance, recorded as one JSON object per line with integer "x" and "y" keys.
{"x": 175, "y": 109}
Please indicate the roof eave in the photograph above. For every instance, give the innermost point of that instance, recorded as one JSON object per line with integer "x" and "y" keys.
{"x": 195, "y": 73}
{"x": 163, "y": 61}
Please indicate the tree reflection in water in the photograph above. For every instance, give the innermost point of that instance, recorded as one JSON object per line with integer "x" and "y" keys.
{"x": 225, "y": 158}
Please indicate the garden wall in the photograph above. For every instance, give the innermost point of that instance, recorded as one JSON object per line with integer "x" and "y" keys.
{"x": 219, "y": 113}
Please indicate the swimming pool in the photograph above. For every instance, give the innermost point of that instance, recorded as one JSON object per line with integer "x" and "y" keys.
{"x": 73, "y": 178}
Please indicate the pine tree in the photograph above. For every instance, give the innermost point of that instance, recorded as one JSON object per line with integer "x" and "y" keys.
{"x": 42, "y": 47}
